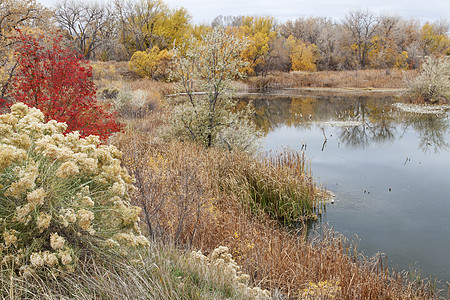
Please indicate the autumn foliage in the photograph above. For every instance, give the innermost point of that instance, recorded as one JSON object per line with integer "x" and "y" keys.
{"x": 55, "y": 80}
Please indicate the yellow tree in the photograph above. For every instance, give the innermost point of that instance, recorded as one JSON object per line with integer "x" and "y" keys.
{"x": 303, "y": 56}
{"x": 260, "y": 31}
{"x": 174, "y": 27}
{"x": 148, "y": 23}
{"x": 385, "y": 54}
{"x": 388, "y": 50}
{"x": 153, "y": 63}
{"x": 432, "y": 41}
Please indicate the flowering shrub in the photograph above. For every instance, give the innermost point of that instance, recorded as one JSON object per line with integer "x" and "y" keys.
{"x": 222, "y": 262}
{"x": 60, "y": 195}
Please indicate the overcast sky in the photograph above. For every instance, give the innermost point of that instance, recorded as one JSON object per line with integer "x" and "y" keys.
{"x": 204, "y": 11}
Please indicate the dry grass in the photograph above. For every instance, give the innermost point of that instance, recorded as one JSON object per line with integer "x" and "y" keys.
{"x": 159, "y": 272}
{"x": 377, "y": 79}
{"x": 194, "y": 196}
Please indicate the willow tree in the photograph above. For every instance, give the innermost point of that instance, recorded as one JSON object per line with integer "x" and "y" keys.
{"x": 204, "y": 110}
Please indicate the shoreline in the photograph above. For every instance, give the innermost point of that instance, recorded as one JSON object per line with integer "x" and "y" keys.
{"x": 319, "y": 91}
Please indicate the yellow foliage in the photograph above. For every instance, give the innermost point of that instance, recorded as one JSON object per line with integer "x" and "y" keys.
{"x": 401, "y": 61}
{"x": 321, "y": 290}
{"x": 151, "y": 23}
{"x": 198, "y": 31}
{"x": 303, "y": 56}
{"x": 260, "y": 33}
{"x": 384, "y": 53}
{"x": 153, "y": 63}
{"x": 432, "y": 42}
{"x": 173, "y": 27}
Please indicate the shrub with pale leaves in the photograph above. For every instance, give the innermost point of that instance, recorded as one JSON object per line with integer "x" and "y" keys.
{"x": 61, "y": 196}
{"x": 205, "y": 110}
{"x": 433, "y": 82}
{"x": 220, "y": 264}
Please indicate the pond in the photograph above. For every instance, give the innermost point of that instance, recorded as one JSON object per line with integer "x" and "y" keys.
{"x": 389, "y": 168}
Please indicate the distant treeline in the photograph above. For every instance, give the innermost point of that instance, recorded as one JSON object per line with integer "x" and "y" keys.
{"x": 145, "y": 31}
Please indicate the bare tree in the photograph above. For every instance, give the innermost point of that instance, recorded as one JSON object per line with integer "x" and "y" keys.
{"x": 361, "y": 26}
{"x": 305, "y": 29}
{"x": 227, "y": 21}
{"x": 86, "y": 23}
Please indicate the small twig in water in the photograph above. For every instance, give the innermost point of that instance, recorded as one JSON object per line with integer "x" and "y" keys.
{"x": 407, "y": 159}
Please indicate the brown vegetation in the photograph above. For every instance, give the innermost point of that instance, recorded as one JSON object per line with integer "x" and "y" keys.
{"x": 194, "y": 196}
{"x": 362, "y": 79}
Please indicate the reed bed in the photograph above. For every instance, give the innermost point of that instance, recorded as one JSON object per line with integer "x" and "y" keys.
{"x": 281, "y": 185}
{"x": 362, "y": 79}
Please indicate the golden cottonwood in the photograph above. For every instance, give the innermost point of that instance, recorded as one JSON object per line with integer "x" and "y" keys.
{"x": 260, "y": 31}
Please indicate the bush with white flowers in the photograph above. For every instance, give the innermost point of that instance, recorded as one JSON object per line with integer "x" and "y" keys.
{"x": 221, "y": 263}
{"x": 60, "y": 195}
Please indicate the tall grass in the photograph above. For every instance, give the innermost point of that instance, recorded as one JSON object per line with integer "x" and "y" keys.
{"x": 281, "y": 185}
{"x": 160, "y": 272}
{"x": 332, "y": 79}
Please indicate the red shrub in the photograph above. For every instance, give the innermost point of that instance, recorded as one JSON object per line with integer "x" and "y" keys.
{"x": 55, "y": 80}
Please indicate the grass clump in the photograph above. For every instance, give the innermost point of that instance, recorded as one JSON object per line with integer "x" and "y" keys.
{"x": 280, "y": 185}
{"x": 159, "y": 271}
{"x": 62, "y": 197}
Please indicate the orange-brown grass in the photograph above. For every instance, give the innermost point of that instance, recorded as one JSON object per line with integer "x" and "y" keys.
{"x": 162, "y": 88}
{"x": 379, "y": 79}
{"x": 194, "y": 196}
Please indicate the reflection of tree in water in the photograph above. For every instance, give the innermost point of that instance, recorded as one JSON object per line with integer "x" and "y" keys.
{"x": 273, "y": 112}
{"x": 376, "y": 125}
{"x": 432, "y": 131}
{"x": 383, "y": 131}
{"x": 355, "y": 137}
{"x": 379, "y": 121}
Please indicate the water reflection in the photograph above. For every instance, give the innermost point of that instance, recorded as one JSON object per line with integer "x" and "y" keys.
{"x": 381, "y": 162}
{"x": 361, "y": 121}
{"x": 431, "y": 130}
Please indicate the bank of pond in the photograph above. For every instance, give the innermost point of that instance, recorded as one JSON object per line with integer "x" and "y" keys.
{"x": 385, "y": 162}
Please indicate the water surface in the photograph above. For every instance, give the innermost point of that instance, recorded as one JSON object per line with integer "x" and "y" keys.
{"x": 389, "y": 170}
